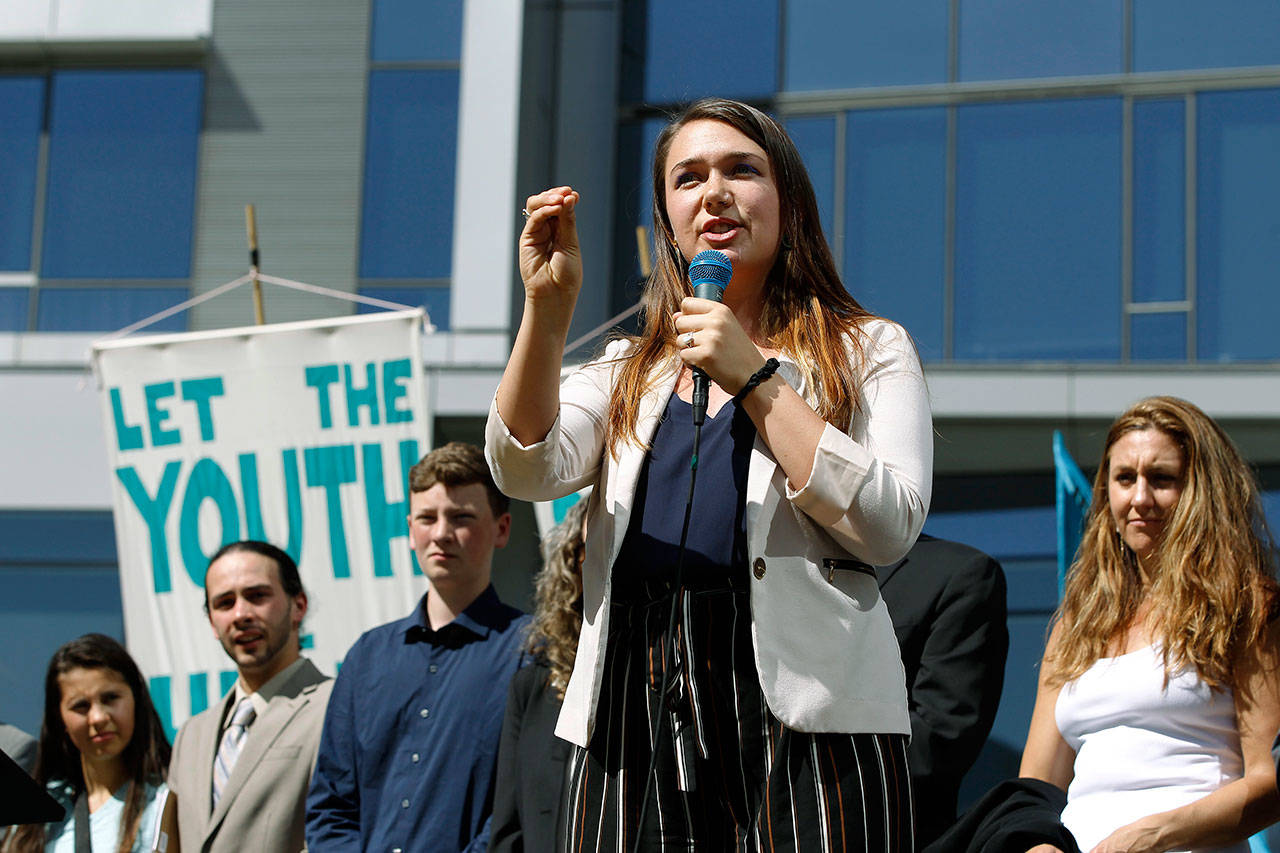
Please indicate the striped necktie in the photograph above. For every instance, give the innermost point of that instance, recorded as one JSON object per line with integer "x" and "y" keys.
{"x": 229, "y": 750}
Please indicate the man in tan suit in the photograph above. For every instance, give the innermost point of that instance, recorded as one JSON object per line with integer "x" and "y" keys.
{"x": 240, "y": 769}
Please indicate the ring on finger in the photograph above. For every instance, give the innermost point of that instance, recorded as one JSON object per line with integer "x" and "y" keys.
{"x": 686, "y": 340}
{"x": 524, "y": 211}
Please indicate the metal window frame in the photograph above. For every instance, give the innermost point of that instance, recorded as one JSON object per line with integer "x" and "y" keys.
{"x": 32, "y": 279}
{"x": 1128, "y": 87}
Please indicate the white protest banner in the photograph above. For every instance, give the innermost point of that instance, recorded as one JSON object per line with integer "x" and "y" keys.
{"x": 300, "y": 434}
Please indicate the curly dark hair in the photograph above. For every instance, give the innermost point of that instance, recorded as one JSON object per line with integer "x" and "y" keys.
{"x": 146, "y": 756}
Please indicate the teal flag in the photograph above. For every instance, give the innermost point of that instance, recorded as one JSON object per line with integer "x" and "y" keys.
{"x": 560, "y": 506}
{"x": 1073, "y": 495}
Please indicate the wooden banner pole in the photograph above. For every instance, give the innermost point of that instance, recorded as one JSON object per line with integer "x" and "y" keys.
{"x": 251, "y": 225}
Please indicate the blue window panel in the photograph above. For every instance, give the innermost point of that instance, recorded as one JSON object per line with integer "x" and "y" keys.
{"x": 434, "y": 298}
{"x": 673, "y": 52}
{"x": 1038, "y": 207}
{"x": 409, "y": 174}
{"x": 1006, "y": 39}
{"x": 1176, "y": 34}
{"x": 106, "y": 309}
{"x": 816, "y": 140}
{"x": 1238, "y": 239}
{"x": 1158, "y": 337}
{"x": 1003, "y": 751}
{"x": 413, "y": 30}
{"x": 895, "y": 218}
{"x": 845, "y": 44}
{"x": 58, "y": 536}
{"x": 21, "y": 118}
{"x": 122, "y": 174}
{"x": 1033, "y": 582}
{"x": 1159, "y": 201}
{"x": 14, "y": 307}
{"x": 1271, "y": 508}
{"x": 43, "y": 606}
{"x": 1004, "y": 532}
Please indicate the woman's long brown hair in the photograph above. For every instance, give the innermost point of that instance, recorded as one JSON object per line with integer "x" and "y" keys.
{"x": 146, "y": 756}
{"x": 808, "y": 314}
{"x": 1211, "y": 592}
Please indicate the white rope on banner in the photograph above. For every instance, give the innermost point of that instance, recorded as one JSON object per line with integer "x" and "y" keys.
{"x": 428, "y": 326}
{"x": 181, "y": 306}
{"x": 349, "y": 297}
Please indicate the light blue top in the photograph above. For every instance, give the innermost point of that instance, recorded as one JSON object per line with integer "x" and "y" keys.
{"x": 104, "y": 824}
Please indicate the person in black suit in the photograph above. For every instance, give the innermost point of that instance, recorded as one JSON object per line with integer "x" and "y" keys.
{"x": 527, "y": 801}
{"x": 947, "y": 602}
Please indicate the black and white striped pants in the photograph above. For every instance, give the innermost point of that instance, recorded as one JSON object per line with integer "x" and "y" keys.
{"x": 729, "y": 775}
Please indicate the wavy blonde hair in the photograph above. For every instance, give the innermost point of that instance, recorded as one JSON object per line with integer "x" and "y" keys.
{"x": 808, "y": 314}
{"x": 557, "y": 593}
{"x": 1211, "y": 591}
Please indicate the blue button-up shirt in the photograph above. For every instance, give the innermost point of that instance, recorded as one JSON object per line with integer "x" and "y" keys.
{"x": 411, "y": 733}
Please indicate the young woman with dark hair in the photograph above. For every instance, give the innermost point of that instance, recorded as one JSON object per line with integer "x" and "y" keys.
{"x": 103, "y": 753}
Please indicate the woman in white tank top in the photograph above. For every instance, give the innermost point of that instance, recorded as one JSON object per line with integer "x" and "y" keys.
{"x": 1159, "y": 692}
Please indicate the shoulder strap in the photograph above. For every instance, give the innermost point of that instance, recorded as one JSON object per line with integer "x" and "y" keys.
{"x": 82, "y": 823}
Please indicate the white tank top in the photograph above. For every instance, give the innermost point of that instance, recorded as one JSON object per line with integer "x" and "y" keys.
{"x": 1142, "y": 747}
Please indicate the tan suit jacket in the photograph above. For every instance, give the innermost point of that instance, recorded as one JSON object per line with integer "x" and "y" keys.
{"x": 263, "y": 806}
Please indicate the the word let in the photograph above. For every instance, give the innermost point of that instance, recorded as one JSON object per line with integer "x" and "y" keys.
{"x": 198, "y": 392}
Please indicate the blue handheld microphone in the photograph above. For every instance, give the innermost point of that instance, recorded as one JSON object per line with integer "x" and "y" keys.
{"x": 709, "y": 273}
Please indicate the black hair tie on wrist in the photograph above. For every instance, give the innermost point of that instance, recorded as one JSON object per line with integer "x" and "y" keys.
{"x": 770, "y": 368}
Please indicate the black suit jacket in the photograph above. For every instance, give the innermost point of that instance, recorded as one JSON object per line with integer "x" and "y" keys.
{"x": 531, "y": 767}
{"x": 947, "y": 602}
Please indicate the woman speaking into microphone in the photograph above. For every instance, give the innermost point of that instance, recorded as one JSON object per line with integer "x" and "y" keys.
{"x": 737, "y": 683}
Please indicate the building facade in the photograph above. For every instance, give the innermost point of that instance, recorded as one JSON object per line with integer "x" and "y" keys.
{"x": 1069, "y": 208}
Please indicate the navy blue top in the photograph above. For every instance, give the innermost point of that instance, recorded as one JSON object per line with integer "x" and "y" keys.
{"x": 716, "y": 551}
{"x": 410, "y": 740}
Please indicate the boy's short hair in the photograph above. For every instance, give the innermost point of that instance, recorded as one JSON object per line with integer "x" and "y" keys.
{"x": 458, "y": 464}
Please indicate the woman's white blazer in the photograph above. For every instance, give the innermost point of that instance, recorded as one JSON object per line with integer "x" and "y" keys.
{"x": 824, "y": 645}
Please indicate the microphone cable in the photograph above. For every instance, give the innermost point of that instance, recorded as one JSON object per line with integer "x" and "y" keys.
{"x": 669, "y": 645}
{"x": 709, "y": 274}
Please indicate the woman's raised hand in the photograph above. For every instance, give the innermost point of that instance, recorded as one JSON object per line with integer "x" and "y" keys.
{"x": 551, "y": 266}
{"x": 550, "y": 257}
